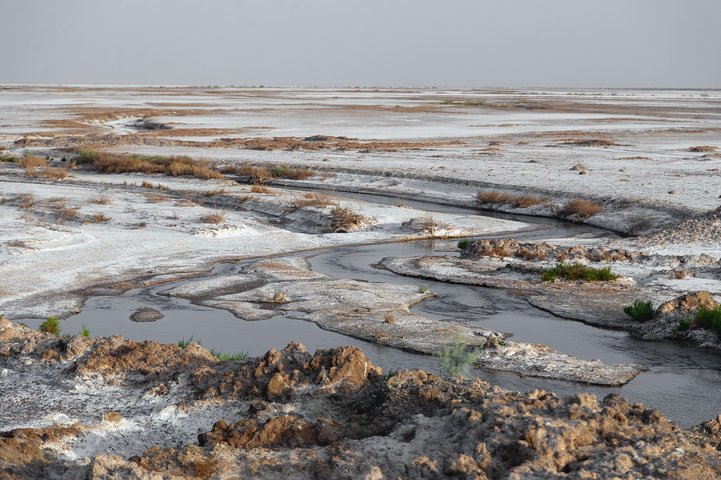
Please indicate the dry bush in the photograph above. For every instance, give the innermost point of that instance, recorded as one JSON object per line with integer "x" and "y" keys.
{"x": 258, "y": 175}
{"x": 258, "y": 188}
{"x": 430, "y": 226}
{"x": 493, "y": 196}
{"x": 518, "y": 201}
{"x": 55, "y": 173}
{"x": 67, "y": 213}
{"x": 703, "y": 149}
{"x": 27, "y": 201}
{"x": 312, "y": 200}
{"x": 175, "y": 166}
{"x": 526, "y": 201}
{"x": 581, "y": 208}
{"x": 99, "y": 200}
{"x": 31, "y": 164}
{"x": 390, "y": 317}
{"x": 294, "y": 173}
{"x": 155, "y": 197}
{"x": 215, "y": 218}
{"x": 344, "y": 220}
{"x": 212, "y": 193}
{"x": 99, "y": 218}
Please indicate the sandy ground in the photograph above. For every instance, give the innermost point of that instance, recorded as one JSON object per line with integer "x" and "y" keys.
{"x": 650, "y": 160}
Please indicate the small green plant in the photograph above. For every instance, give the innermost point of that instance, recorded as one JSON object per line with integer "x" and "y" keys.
{"x": 709, "y": 318}
{"x": 184, "y": 343}
{"x": 225, "y": 357}
{"x": 51, "y": 325}
{"x": 457, "y": 358}
{"x": 683, "y": 325}
{"x": 464, "y": 243}
{"x": 639, "y": 311}
{"x": 84, "y": 331}
{"x": 424, "y": 289}
{"x": 577, "y": 271}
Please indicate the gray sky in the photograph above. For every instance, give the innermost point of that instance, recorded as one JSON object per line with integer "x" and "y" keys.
{"x": 561, "y": 43}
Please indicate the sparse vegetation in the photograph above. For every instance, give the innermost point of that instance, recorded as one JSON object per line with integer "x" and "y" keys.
{"x": 225, "y": 357}
{"x": 577, "y": 271}
{"x": 424, "y": 289}
{"x": 312, "y": 200}
{"x": 175, "y": 166}
{"x": 279, "y": 297}
{"x": 430, "y": 226}
{"x": 99, "y": 218}
{"x": 464, "y": 243}
{"x": 344, "y": 220}
{"x": 683, "y": 325}
{"x": 51, "y": 325}
{"x": 517, "y": 201}
{"x": 84, "y": 331}
{"x": 390, "y": 317}
{"x": 580, "y": 208}
{"x": 456, "y": 358}
{"x": 185, "y": 342}
{"x": 99, "y": 200}
{"x": 259, "y": 188}
{"x": 709, "y": 318}
{"x": 293, "y": 173}
{"x": 67, "y": 213}
{"x": 38, "y": 167}
{"x": 214, "y": 218}
{"x": 639, "y": 311}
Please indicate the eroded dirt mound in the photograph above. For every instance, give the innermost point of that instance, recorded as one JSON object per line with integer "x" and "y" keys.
{"x": 688, "y": 303}
{"x": 330, "y": 415}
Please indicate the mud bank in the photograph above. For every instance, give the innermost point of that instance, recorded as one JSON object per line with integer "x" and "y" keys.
{"x": 379, "y": 312}
{"x": 297, "y": 415}
{"x": 594, "y": 303}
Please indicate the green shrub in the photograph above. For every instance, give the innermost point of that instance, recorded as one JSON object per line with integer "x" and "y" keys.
{"x": 464, "y": 243}
{"x": 709, "y": 318}
{"x": 84, "y": 331}
{"x": 184, "y": 343}
{"x": 51, "y": 325}
{"x": 224, "y": 357}
{"x": 577, "y": 271}
{"x": 683, "y": 325}
{"x": 639, "y": 310}
{"x": 457, "y": 358}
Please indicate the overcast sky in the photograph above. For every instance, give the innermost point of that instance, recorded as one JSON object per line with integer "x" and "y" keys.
{"x": 472, "y": 43}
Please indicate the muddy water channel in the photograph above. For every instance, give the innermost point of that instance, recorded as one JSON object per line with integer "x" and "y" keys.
{"x": 682, "y": 382}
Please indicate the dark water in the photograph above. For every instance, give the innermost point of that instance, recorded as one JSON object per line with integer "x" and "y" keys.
{"x": 682, "y": 382}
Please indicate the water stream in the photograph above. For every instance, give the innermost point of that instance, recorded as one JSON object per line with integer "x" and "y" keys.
{"x": 681, "y": 381}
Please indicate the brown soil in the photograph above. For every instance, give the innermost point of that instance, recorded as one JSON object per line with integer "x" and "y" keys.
{"x": 334, "y": 415}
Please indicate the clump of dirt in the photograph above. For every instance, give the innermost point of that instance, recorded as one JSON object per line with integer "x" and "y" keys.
{"x": 687, "y": 303}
